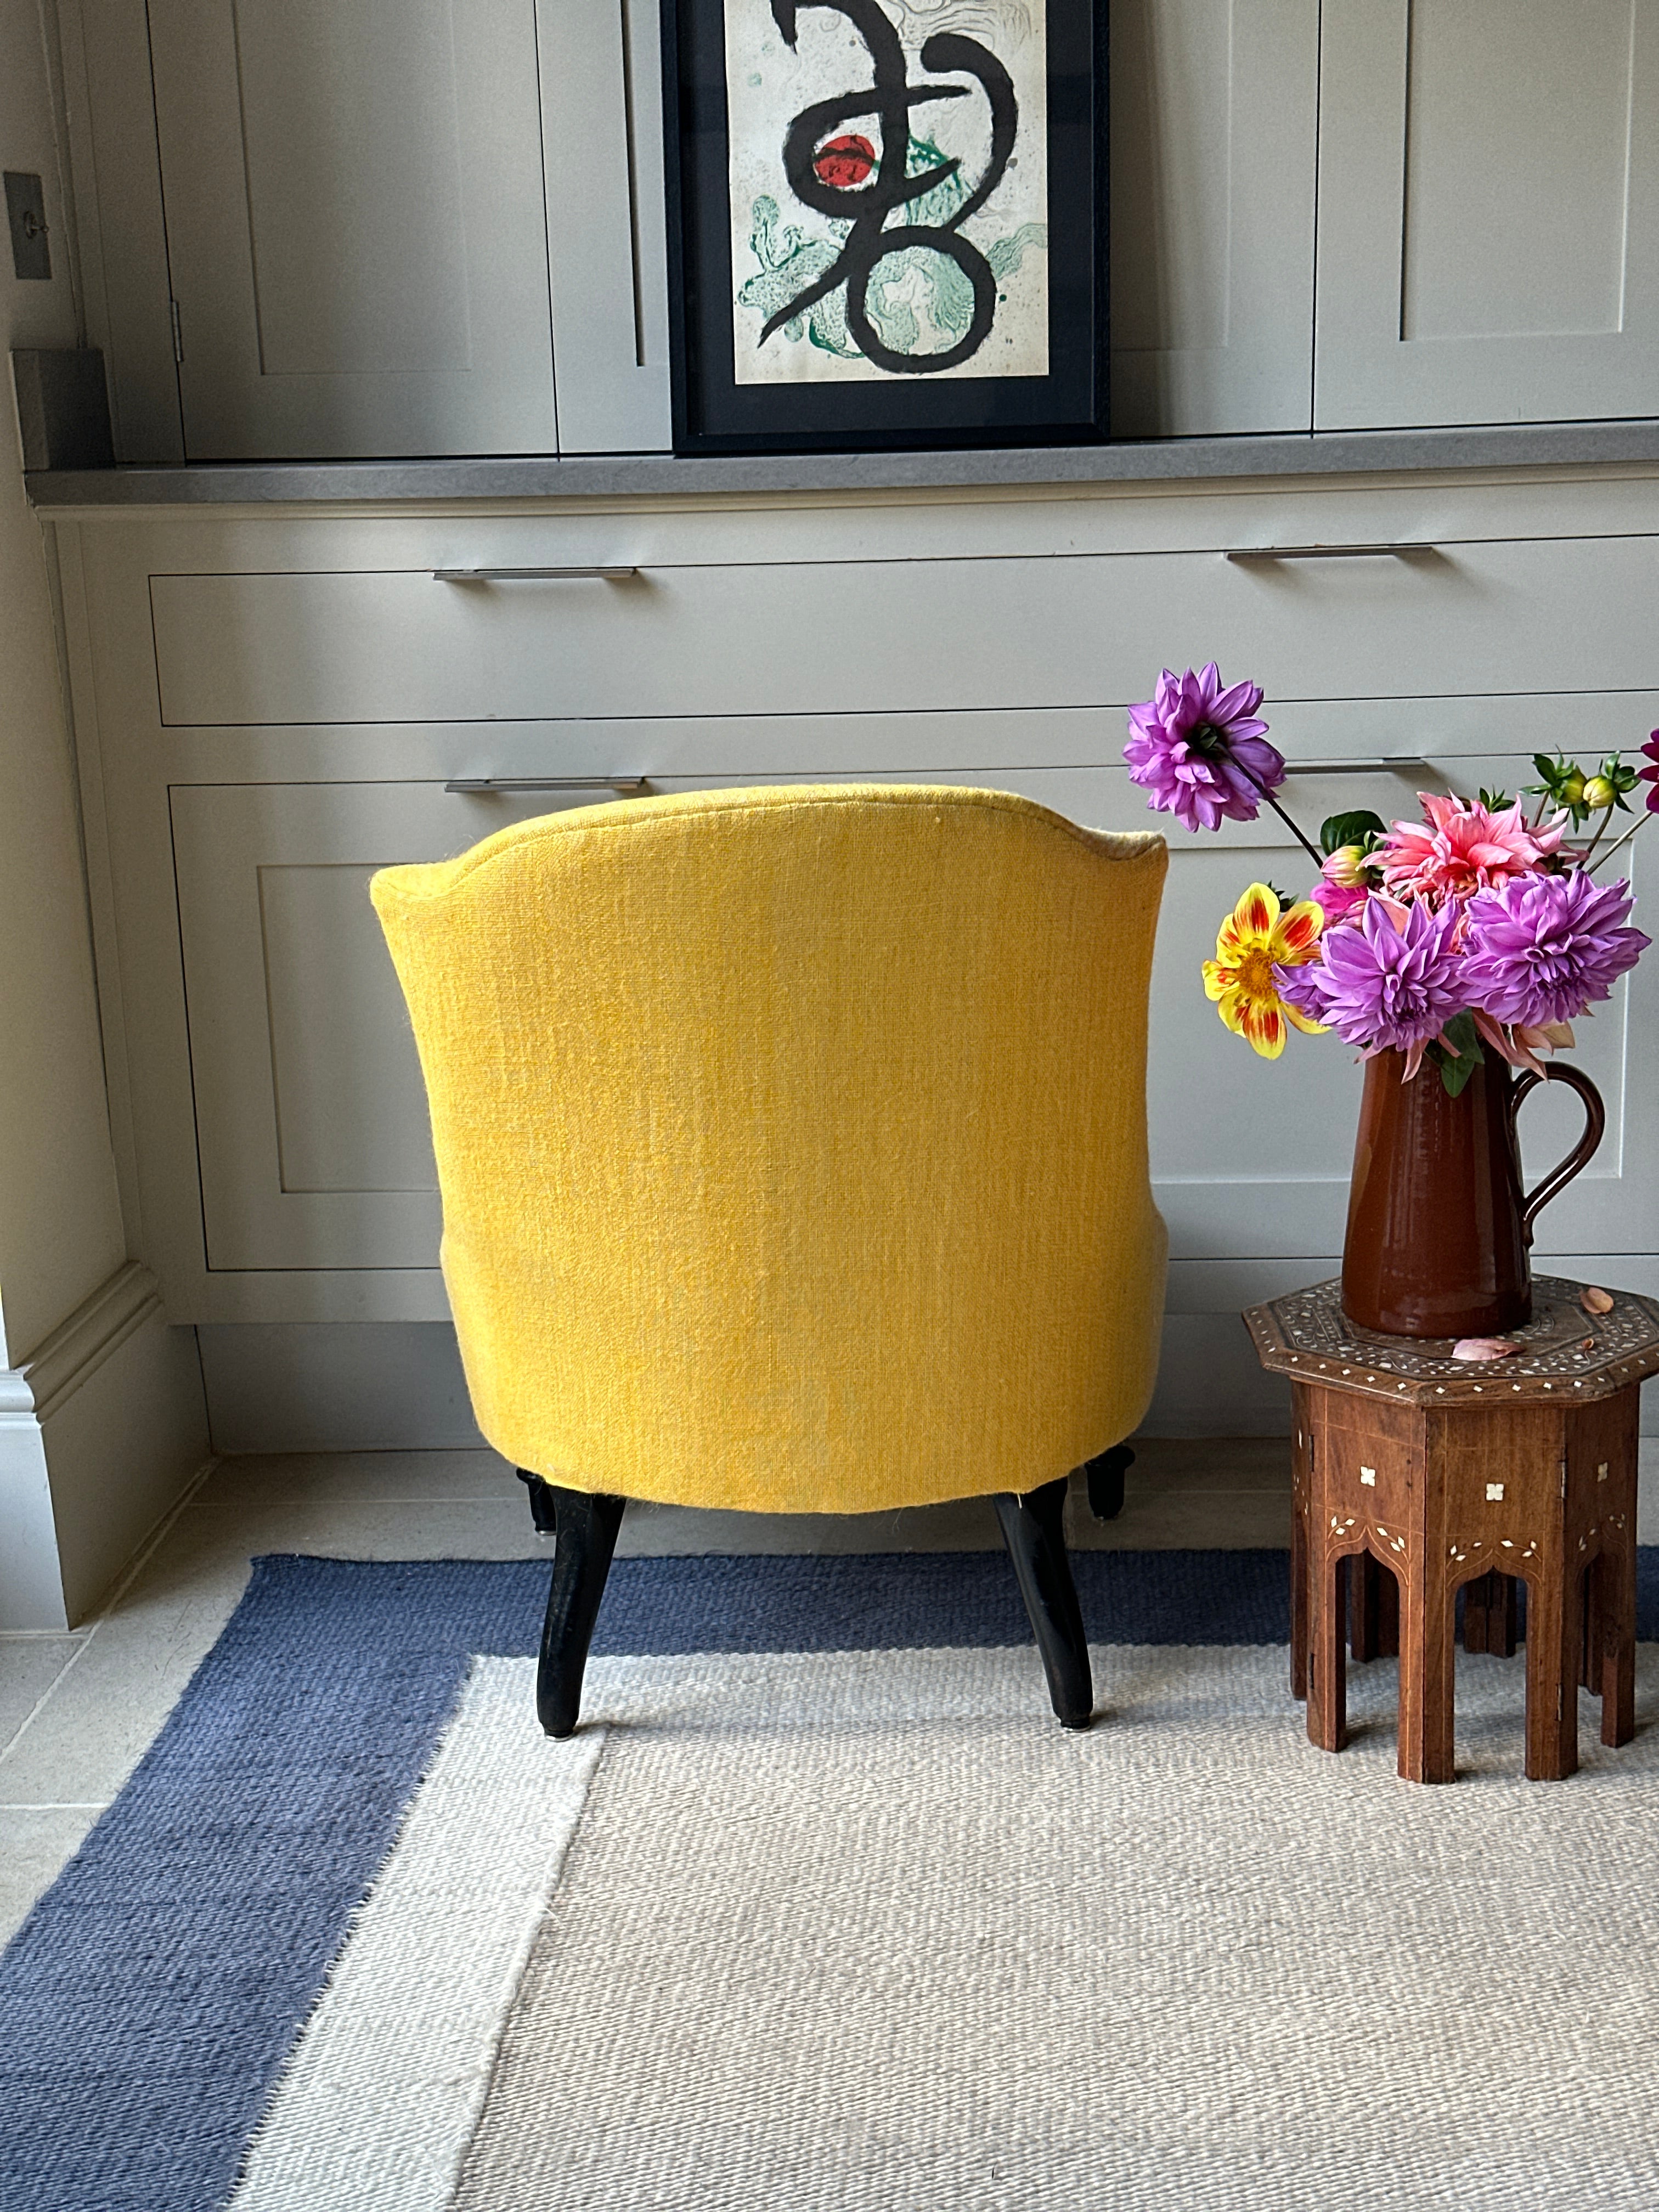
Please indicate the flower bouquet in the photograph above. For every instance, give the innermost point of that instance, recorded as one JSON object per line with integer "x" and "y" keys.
{"x": 1473, "y": 938}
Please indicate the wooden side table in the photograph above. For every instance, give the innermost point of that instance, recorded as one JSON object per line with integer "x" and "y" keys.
{"x": 1449, "y": 1474}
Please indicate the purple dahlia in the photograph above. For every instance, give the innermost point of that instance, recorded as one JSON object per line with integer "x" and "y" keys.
{"x": 1202, "y": 752}
{"x": 1384, "y": 985}
{"x": 1304, "y": 986}
{"x": 1543, "y": 948}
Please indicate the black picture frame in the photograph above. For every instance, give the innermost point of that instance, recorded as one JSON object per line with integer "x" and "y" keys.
{"x": 714, "y": 414}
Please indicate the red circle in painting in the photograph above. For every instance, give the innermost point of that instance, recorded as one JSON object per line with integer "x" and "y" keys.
{"x": 843, "y": 163}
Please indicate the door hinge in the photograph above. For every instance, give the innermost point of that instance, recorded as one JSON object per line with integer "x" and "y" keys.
{"x": 178, "y": 340}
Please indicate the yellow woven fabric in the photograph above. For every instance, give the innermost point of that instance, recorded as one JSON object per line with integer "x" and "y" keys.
{"x": 793, "y": 1141}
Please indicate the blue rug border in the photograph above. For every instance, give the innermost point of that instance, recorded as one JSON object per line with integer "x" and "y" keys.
{"x": 142, "y": 2038}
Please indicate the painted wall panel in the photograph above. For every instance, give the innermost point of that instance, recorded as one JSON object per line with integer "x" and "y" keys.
{"x": 1214, "y": 111}
{"x": 355, "y": 226}
{"x": 1488, "y": 244}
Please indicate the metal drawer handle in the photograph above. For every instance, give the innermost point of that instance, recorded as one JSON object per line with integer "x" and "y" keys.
{"x": 611, "y": 575}
{"x": 1401, "y": 550}
{"x": 493, "y": 783}
{"x": 1383, "y": 762}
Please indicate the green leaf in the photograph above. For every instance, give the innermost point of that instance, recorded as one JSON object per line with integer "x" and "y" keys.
{"x": 1355, "y": 829}
{"x": 1456, "y": 1067}
{"x": 1563, "y": 785}
{"x": 1456, "y": 1073}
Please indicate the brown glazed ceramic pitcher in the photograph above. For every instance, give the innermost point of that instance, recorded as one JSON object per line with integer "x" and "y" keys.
{"x": 1439, "y": 1228}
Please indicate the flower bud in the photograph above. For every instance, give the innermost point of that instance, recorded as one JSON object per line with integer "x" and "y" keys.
{"x": 1346, "y": 866}
{"x": 1598, "y": 793}
{"x": 1570, "y": 791}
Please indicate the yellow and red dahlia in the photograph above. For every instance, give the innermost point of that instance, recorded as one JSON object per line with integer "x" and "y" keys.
{"x": 1255, "y": 939}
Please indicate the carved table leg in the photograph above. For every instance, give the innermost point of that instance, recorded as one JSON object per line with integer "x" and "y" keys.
{"x": 1303, "y": 1491}
{"x": 1373, "y": 1608}
{"x": 1555, "y": 1648}
{"x": 1612, "y": 1669}
{"x": 1590, "y": 1636}
{"x": 1504, "y": 1617}
{"x": 1427, "y": 1675}
{"x": 1491, "y": 1613}
{"x": 1328, "y": 1656}
{"x": 1601, "y": 1451}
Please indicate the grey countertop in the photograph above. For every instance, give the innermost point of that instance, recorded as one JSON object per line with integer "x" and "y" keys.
{"x": 612, "y": 476}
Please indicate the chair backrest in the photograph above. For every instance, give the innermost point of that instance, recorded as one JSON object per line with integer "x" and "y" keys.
{"x": 793, "y": 1141}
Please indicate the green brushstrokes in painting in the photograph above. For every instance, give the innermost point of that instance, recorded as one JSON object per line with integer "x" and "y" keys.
{"x": 904, "y": 283}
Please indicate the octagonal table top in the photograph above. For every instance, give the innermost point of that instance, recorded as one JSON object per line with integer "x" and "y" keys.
{"x": 1563, "y": 1350}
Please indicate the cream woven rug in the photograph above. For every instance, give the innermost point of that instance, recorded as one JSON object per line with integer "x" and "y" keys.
{"x": 808, "y": 1934}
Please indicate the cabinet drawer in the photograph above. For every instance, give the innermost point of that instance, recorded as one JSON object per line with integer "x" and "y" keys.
{"x": 309, "y": 1112}
{"x": 793, "y": 636}
{"x": 310, "y": 1117}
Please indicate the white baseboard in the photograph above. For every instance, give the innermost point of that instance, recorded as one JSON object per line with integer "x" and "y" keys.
{"x": 31, "y": 1583}
{"x": 397, "y": 1386}
{"x": 335, "y": 1386}
{"x": 102, "y": 1429}
{"x": 1209, "y": 1382}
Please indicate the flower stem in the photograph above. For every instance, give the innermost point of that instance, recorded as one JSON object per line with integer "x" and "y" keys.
{"x": 1313, "y": 853}
{"x": 1317, "y": 857}
{"x": 1602, "y": 831}
{"x": 1614, "y": 847}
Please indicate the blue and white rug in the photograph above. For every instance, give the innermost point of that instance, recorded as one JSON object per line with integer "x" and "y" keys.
{"x": 821, "y": 1909}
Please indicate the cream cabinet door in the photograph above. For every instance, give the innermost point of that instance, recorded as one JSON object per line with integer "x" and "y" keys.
{"x": 311, "y": 1125}
{"x": 355, "y": 226}
{"x": 1214, "y": 108}
{"x": 601, "y": 82}
{"x": 1488, "y": 211}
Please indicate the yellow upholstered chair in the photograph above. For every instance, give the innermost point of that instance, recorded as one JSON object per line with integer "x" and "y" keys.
{"x": 793, "y": 1151}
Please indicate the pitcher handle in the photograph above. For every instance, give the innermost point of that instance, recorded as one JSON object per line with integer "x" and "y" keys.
{"x": 1596, "y": 1124}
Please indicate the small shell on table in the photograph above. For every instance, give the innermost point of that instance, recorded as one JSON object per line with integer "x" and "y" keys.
{"x": 1484, "y": 1347}
{"x": 1595, "y": 1301}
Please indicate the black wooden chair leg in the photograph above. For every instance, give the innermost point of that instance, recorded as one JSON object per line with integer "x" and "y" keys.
{"x": 1033, "y": 1527}
{"x": 541, "y": 1502}
{"x": 586, "y": 1525}
{"x": 1105, "y": 1477}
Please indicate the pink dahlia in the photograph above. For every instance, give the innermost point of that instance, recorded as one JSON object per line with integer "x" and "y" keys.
{"x": 1337, "y": 902}
{"x": 1390, "y": 984}
{"x": 1650, "y": 775}
{"x": 1201, "y": 752}
{"x": 1462, "y": 848}
{"x": 1542, "y": 949}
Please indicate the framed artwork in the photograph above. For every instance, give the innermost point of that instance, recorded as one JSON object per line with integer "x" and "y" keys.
{"x": 887, "y": 222}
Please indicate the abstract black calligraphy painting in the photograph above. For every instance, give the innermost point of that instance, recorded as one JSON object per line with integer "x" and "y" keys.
{"x": 887, "y": 222}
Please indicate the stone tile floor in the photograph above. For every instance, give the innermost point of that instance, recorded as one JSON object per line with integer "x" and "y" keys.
{"x": 77, "y": 1711}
